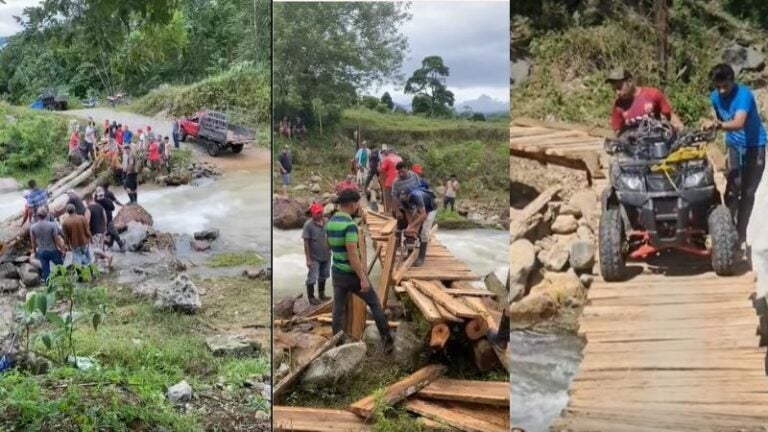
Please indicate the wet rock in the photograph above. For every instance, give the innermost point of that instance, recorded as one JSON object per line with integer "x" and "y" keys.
{"x": 8, "y": 271}
{"x": 200, "y": 245}
{"x": 555, "y": 258}
{"x": 336, "y": 366}
{"x": 30, "y": 276}
{"x": 175, "y": 179}
{"x": 284, "y": 308}
{"x": 180, "y": 392}
{"x": 565, "y": 224}
{"x": 210, "y": 235}
{"x": 371, "y": 336}
{"x": 9, "y": 285}
{"x": 582, "y": 255}
{"x": 288, "y": 214}
{"x": 177, "y": 265}
{"x": 409, "y": 345}
{"x": 181, "y": 295}
{"x": 132, "y": 213}
{"x": 230, "y": 346}
{"x": 741, "y": 56}
{"x": 135, "y": 236}
{"x": 522, "y": 259}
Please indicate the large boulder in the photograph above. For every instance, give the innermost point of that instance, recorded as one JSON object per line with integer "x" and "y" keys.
{"x": 555, "y": 258}
{"x": 8, "y": 271}
{"x": 522, "y": 258}
{"x": 371, "y": 336}
{"x": 582, "y": 256}
{"x": 288, "y": 214}
{"x": 560, "y": 286}
{"x": 336, "y": 366}
{"x": 181, "y": 295}
{"x": 134, "y": 236}
{"x": 210, "y": 235}
{"x": 147, "y": 289}
{"x": 132, "y": 213}
{"x": 741, "y": 56}
{"x": 284, "y": 308}
{"x": 9, "y": 285}
{"x": 30, "y": 275}
{"x": 409, "y": 346}
{"x": 532, "y": 309}
{"x": 200, "y": 245}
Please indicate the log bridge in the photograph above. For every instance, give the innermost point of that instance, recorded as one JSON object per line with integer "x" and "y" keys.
{"x": 671, "y": 349}
{"x": 442, "y": 293}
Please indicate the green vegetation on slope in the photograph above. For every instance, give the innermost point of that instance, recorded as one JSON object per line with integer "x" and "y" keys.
{"x": 142, "y": 351}
{"x": 242, "y": 92}
{"x": 574, "y": 46}
{"x": 30, "y": 143}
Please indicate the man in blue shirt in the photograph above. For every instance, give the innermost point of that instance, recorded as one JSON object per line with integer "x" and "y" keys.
{"x": 420, "y": 212}
{"x": 737, "y": 115}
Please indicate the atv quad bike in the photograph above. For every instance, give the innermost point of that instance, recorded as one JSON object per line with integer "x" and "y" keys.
{"x": 662, "y": 196}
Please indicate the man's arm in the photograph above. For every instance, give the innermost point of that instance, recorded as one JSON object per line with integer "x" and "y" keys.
{"x": 421, "y": 216}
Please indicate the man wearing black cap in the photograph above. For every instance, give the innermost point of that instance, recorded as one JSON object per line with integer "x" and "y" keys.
{"x": 348, "y": 271}
{"x": 634, "y": 103}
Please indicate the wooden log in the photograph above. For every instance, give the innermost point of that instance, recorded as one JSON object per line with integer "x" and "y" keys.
{"x": 483, "y": 355}
{"x": 438, "y": 336}
{"x": 400, "y": 390}
{"x": 434, "y": 292}
{"x": 296, "y": 419}
{"x": 544, "y": 124}
{"x": 476, "y": 328}
{"x": 423, "y": 303}
{"x": 286, "y": 382}
{"x": 328, "y": 320}
{"x": 387, "y": 264}
{"x": 482, "y": 392}
{"x": 322, "y": 308}
{"x": 520, "y": 224}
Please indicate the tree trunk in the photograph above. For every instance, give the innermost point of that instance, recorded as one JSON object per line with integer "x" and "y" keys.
{"x": 439, "y": 336}
{"x": 661, "y": 12}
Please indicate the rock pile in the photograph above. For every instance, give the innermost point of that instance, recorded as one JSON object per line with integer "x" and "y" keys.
{"x": 18, "y": 273}
{"x": 551, "y": 266}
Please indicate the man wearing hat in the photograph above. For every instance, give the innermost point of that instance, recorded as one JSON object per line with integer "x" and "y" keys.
{"x": 317, "y": 253}
{"x": 634, "y": 103}
{"x": 419, "y": 210}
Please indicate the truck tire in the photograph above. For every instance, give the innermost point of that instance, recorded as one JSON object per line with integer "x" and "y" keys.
{"x": 212, "y": 148}
{"x": 725, "y": 240}
{"x": 237, "y": 148}
{"x": 611, "y": 245}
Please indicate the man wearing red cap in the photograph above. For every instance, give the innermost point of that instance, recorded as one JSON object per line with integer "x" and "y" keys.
{"x": 317, "y": 253}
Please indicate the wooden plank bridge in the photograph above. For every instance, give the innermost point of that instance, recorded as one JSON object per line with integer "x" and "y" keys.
{"x": 671, "y": 349}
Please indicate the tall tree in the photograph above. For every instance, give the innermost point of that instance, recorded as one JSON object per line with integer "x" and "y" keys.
{"x": 386, "y": 99}
{"x": 428, "y": 85}
{"x": 333, "y": 51}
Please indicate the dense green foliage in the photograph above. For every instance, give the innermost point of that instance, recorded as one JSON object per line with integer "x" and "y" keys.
{"x": 242, "y": 92}
{"x": 30, "y": 142}
{"x": 574, "y": 44}
{"x": 431, "y": 96}
{"x": 325, "y": 53}
{"x": 102, "y": 47}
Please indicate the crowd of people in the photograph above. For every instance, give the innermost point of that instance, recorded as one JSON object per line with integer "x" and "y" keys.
{"x": 84, "y": 229}
{"x": 291, "y": 129}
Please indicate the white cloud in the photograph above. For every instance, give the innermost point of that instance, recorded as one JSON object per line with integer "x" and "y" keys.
{"x": 11, "y": 8}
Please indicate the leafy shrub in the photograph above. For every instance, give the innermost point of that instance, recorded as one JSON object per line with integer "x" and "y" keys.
{"x": 30, "y": 142}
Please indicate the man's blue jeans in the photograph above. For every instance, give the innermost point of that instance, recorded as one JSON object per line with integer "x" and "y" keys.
{"x": 47, "y": 257}
{"x": 81, "y": 256}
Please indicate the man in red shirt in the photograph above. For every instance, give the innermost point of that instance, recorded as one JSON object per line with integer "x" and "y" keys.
{"x": 388, "y": 172}
{"x": 348, "y": 183}
{"x": 634, "y": 103}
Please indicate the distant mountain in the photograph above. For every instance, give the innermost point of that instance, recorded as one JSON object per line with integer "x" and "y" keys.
{"x": 484, "y": 104}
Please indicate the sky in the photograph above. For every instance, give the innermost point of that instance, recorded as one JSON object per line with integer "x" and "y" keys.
{"x": 473, "y": 40}
{"x": 8, "y": 25}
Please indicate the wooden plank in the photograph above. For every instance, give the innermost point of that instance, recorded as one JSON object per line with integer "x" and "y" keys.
{"x": 400, "y": 390}
{"x": 355, "y": 317}
{"x": 387, "y": 263}
{"x": 295, "y": 419}
{"x": 453, "y": 415}
{"x": 423, "y": 303}
{"x": 482, "y": 392}
{"x": 475, "y": 292}
{"x": 322, "y": 308}
{"x": 405, "y": 266}
{"x": 328, "y": 320}
{"x": 520, "y": 224}
{"x": 436, "y": 294}
{"x": 544, "y": 124}
{"x": 376, "y": 256}
{"x": 286, "y": 382}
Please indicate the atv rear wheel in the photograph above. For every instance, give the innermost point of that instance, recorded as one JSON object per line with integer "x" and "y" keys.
{"x": 612, "y": 245}
{"x": 725, "y": 240}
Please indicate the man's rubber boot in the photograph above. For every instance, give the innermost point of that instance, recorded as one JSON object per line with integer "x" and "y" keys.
{"x": 321, "y": 291}
{"x": 422, "y": 255}
{"x": 311, "y": 295}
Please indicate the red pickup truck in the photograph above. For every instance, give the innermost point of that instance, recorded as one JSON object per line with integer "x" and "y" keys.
{"x": 213, "y": 130}
{"x": 190, "y": 126}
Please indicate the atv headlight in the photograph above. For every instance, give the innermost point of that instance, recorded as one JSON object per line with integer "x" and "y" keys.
{"x": 631, "y": 182}
{"x": 697, "y": 179}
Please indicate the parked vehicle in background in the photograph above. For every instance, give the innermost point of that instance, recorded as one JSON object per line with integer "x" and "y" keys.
{"x": 117, "y": 99}
{"x": 213, "y": 130}
{"x": 51, "y": 99}
{"x": 90, "y": 103}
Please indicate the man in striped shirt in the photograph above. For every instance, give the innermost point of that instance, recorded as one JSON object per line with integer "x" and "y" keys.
{"x": 348, "y": 272}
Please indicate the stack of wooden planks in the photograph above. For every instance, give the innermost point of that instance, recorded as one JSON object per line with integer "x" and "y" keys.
{"x": 470, "y": 406}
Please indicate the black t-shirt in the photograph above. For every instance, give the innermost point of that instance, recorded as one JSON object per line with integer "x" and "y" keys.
{"x": 375, "y": 159}
{"x": 285, "y": 161}
{"x": 78, "y": 203}
{"x": 98, "y": 222}
{"x": 108, "y": 206}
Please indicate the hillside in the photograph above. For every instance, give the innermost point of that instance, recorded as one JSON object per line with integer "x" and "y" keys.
{"x": 571, "y": 47}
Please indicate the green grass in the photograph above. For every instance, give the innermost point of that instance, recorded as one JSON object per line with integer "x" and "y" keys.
{"x": 453, "y": 220}
{"x": 232, "y": 259}
{"x": 370, "y": 119}
{"x": 141, "y": 351}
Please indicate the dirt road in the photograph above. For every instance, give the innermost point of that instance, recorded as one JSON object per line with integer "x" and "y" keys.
{"x": 252, "y": 158}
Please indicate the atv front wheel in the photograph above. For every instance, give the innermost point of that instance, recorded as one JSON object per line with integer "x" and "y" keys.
{"x": 725, "y": 240}
{"x": 611, "y": 243}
